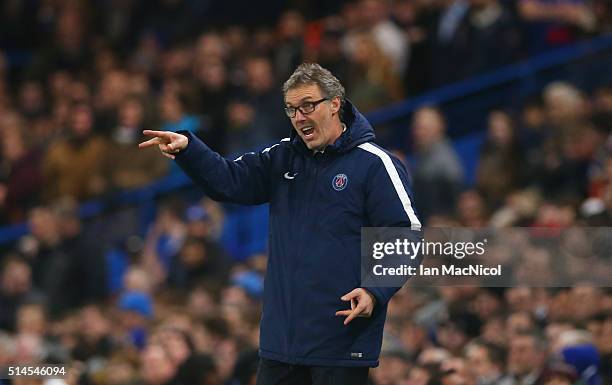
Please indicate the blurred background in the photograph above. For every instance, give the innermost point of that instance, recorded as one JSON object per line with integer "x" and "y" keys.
{"x": 114, "y": 264}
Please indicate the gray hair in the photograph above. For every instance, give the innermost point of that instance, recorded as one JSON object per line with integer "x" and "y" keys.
{"x": 313, "y": 73}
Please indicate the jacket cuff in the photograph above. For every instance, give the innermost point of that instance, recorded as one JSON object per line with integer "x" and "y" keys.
{"x": 382, "y": 294}
{"x": 190, "y": 143}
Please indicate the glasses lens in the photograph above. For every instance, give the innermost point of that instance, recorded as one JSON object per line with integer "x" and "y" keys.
{"x": 308, "y": 107}
{"x": 290, "y": 111}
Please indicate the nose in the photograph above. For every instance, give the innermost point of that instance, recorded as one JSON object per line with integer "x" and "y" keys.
{"x": 299, "y": 116}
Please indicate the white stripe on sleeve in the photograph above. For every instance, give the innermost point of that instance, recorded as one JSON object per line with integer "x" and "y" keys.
{"x": 264, "y": 151}
{"x": 274, "y": 145}
{"x": 415, "y": 224}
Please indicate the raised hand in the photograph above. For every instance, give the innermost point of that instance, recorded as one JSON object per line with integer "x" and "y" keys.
{"x": 170, "y": 143}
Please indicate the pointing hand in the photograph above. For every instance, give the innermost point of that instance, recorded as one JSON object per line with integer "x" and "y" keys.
{"x": 170, "y": 143}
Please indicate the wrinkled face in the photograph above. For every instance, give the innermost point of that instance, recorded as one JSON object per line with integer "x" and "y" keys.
{"x": 318, "y": 128}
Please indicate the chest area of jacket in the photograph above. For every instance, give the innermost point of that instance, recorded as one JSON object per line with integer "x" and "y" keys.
{"x": 321, "y": 188}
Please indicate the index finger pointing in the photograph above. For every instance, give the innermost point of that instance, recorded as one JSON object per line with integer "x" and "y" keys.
{"x": 161, "y": 134}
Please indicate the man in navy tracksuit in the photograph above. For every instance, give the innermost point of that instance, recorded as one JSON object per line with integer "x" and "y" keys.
{"x": 324, "y": 183}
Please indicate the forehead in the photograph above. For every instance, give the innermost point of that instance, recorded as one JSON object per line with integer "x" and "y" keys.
{"x": 302, "y": 93}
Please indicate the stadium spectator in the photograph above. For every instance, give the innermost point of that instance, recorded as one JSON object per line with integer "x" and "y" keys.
{"x": 471, "y": 209}
{"x": 213, "y": 94}
{"x": 198, "y": 369}
{"x": 136, "y": 311}
{"x": 198, "y": 261}
{"x": 247, "y": 129}
{"x": 449, "y": 43}
{"x": 21, "y": 176}
{"x": 32, "y": 104}
{"x": 93, "y": 339}
{"x": 45, "y": 256}
{"x": 437, "y": 171}
{"x": 554, "y": 23}
{"x": 164, "y": 240}
{"x": 486, "y": 362}
{"x": 72, "y": 166}
{"x": 526, "y": 358}
{"x": 70, "y": 47}
{"x": 329, "y": 53}
{"x": 129, "y": 168}
{"x": 261, "y": 91}
{"x": 112, "y": 90}
{"x": 372, "y": 82}
{"x": 289, "y": 51}
{"x": 393, "y": 368}
{"x": 493, "y": 34}
{"x": 174, "y": 105}
{"x": 157, "y": 366}
{"x": 386, "y": 33}
{"x": 16, "y": 290}
{"x": 501, "y": 151}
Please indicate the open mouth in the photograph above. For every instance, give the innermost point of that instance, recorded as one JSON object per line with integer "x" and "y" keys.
{"x": 308, "y": 132}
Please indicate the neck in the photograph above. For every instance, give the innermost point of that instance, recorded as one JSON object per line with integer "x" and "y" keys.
{"x": 337, "y": 129}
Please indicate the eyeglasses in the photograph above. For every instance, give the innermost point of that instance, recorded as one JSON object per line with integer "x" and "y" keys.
{"x": 306, "y": 108}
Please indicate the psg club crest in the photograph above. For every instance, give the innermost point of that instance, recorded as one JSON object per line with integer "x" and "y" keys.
{"x": 339, "y": 182}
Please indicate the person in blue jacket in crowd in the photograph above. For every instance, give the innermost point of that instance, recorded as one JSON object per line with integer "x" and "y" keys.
{"x": 324, "y": 183}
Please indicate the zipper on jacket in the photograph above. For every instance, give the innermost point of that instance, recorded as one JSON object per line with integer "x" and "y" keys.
{"x": 317, "y": 159}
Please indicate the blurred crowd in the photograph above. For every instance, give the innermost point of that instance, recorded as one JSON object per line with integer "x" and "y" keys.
{"x": 548, "y": 164}
{"x": 80, "y": 80}
{"x": 174, "y": 310}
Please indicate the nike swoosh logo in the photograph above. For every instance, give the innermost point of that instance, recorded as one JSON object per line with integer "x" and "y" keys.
{"x": 289, "y": 176}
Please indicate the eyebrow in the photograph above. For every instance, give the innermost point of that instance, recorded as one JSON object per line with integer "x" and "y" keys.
{"x": 304, "y": 99}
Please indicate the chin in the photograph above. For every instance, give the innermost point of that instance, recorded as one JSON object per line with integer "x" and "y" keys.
{"x": 312, "y": 146}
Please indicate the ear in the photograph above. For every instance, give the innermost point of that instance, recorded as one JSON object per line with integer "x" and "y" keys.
{"x": 335, "y": 105}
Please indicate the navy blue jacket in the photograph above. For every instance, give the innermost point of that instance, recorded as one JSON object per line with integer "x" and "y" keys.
{"x": 318, "y": 205}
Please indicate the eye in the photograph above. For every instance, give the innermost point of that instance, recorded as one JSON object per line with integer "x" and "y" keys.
{"x": 290, "y": 111}
{"x": 308, "y": 106}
